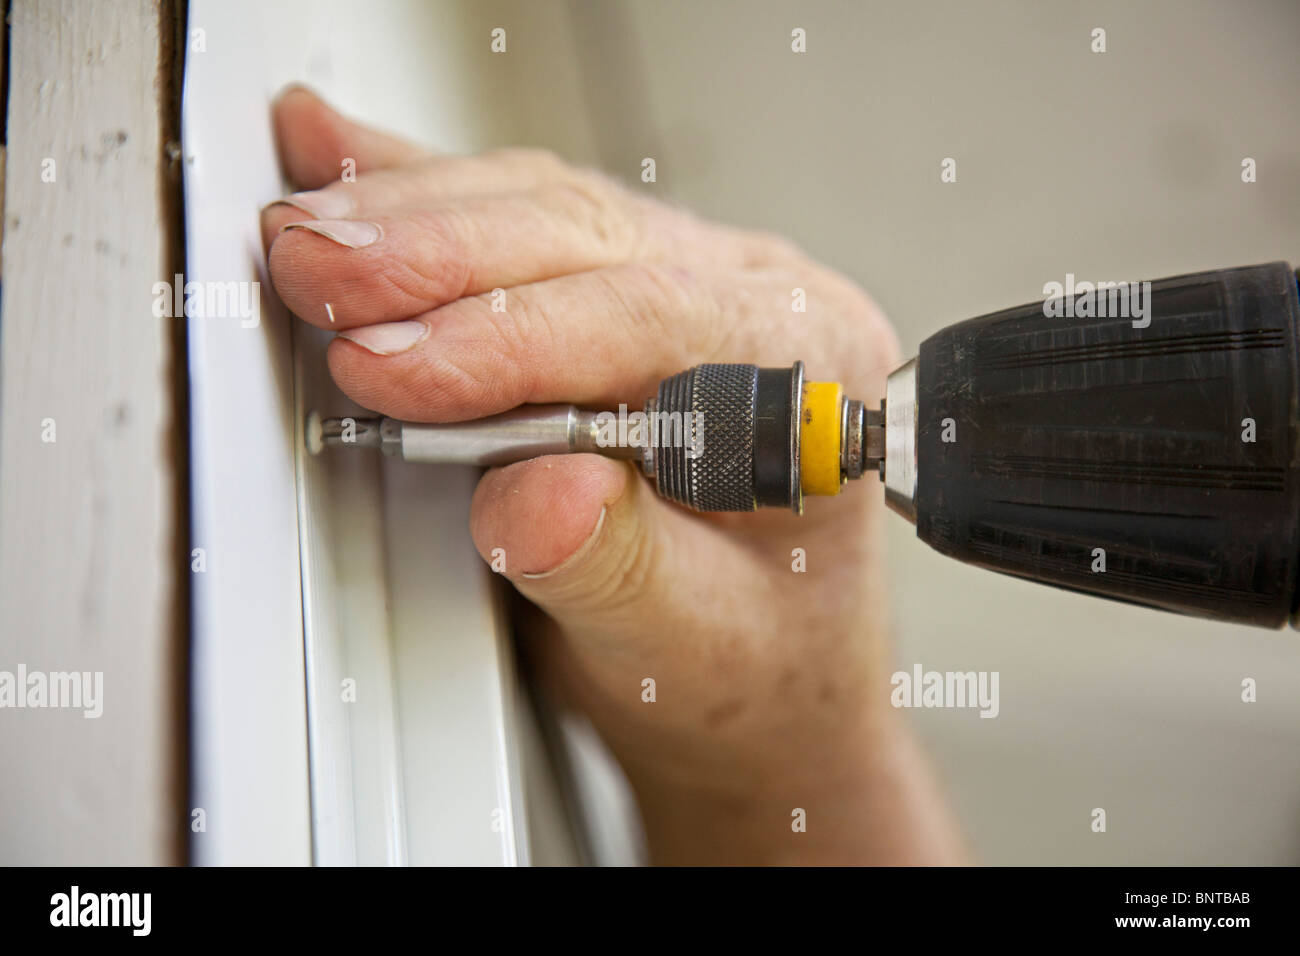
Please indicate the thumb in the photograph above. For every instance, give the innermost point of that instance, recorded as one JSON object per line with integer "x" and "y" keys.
{"x": 589, "y": 542}
{"x": 314, "y": 140}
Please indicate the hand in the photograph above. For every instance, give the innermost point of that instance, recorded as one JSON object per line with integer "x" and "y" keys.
{"x": 771, "y": 686}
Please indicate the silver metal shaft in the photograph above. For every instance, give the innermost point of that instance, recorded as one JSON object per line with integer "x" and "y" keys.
{"x": 516, "y": 435}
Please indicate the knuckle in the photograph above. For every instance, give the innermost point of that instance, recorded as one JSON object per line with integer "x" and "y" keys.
{"x": 598, "y": 211}
{"x": 686, "y": 313}
{"x": 440, "y": 268}
{"x": 433, "y": 383}
{"x": 523, "y": 328}
{"x": 529, "y": 157}
{"x": 652, "y": 281}
{"x": 766, "y": 248}
{"x": 649, "y": 293}
{"x": 453, "y": 387}
{"x": 618, "y": 579}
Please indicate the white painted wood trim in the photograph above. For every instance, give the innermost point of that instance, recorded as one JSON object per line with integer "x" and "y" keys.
{"x": 249, "y": 723}
{"x": 337, "y": 567}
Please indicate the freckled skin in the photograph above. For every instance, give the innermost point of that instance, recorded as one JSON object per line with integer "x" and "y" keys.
{"x": 772, "y": 687}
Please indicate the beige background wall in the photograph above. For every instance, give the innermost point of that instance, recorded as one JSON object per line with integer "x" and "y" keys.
{"x": 1123, "y": 165}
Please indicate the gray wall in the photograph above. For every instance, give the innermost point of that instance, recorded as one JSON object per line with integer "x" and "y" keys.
{"x": 1123, "y": 165}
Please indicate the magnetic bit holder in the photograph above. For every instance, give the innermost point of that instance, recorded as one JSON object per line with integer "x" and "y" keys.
{"x": 713, "y": 438}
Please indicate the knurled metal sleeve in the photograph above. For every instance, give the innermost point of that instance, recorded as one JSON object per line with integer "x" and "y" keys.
{"x": 720, "y": 475}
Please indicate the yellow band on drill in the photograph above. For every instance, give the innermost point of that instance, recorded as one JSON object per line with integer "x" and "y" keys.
{"x": 819, "y": 439}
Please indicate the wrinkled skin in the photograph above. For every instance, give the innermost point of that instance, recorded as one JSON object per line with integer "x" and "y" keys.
{"x": 771, "y": 686}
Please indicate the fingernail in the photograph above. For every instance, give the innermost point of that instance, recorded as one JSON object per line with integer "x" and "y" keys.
{"x": 353, "y": 233}
{"x": 320, "y": 203}
{"x": 577, "y": 555}
{"x": 387, "y": 338}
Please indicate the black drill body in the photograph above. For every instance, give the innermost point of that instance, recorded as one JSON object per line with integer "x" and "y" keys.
{"x": 1155, "y": 465}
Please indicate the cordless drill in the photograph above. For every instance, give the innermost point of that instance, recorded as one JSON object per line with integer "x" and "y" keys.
{"x": 1136, "y": 441}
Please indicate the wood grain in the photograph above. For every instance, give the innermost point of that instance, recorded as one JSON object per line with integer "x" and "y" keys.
{"x": 91, "y": 568}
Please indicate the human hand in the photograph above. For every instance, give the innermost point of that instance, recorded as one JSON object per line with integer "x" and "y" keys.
{"x": 771, "y": 685}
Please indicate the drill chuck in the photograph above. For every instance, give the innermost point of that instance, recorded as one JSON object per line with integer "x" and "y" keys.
{"x": 744, "y": 450}
{"x": 761, "y": 437}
